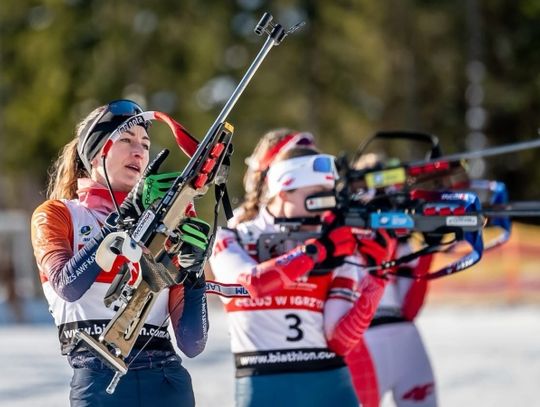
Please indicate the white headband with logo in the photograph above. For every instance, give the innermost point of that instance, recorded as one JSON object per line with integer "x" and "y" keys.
{"x": 301, "y": 172}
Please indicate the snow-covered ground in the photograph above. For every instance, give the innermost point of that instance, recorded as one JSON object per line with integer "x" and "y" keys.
{"x": 482, "y": 356}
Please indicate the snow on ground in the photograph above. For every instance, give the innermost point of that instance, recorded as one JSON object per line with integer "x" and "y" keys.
{"x": 482, "y": 356}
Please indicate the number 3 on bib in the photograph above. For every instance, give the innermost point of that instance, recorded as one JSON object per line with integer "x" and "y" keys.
{"x": 295, "y": 326}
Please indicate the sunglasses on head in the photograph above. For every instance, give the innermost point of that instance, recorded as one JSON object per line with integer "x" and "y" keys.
{"x": 124, "y": 107}
{"x": 118, "y": 109}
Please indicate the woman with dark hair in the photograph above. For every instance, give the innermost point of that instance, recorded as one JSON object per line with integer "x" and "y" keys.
{"x": 67, "y": 230}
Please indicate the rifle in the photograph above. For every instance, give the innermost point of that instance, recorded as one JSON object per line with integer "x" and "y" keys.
{"x": 403, "y": 205}
{"x": 446, "y": 172}
{"x": 401, "y": 209}
{"x": 435, "y": 214}
{"x": 414, "y": 174}
{"x": 156, "y": 229}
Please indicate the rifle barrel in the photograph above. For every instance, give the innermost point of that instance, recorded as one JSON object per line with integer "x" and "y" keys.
{"x": 487, "y": 152}
{"x": 516, "y": 213}
{"x": 263, "y": 52}
{"x": 514, "y": 209}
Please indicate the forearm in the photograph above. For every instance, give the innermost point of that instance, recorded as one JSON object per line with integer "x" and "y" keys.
{"x": 349, "y": 330}
{"x": 191, "y": 328}
{"x": 275, "y": 274}
{"x": 72, "y": 276}
{"x": 232, "y": 264}
{"x": 415, "y": 295}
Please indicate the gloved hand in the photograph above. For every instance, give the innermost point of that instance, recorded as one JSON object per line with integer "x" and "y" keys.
{"x": 378, "y": 251}
{"x": 151, "y": 186}
{"x": 156, "y": 186}
{"x": 335, "y": 243}
{"x": 191, "y": 257}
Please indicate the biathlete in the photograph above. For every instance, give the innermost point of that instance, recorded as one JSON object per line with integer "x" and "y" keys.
{"x": 289, "y": 338}
{"x": 391, "y": 357}
{"x": 67, "y": 230}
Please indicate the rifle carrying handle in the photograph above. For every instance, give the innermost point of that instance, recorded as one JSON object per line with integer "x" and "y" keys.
{"x": 263, "y": 23}
{"x": 430, "y": 139}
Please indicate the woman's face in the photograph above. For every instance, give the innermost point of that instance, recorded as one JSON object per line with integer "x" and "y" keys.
{"x": 126, "y": 160}
{"x": 294, "y": 202}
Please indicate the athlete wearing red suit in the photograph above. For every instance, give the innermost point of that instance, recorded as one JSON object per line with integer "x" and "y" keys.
{"x": 392, "y": 357}
{"x": 293, "y": 331}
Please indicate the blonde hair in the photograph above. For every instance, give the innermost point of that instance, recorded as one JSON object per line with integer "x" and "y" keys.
{"x": 254, "y": 178}
{"x": 68, "y": 167}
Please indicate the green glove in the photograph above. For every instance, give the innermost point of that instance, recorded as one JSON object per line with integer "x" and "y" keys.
{"x": 156, "y": 186}
{"x": 194, "y": 231}
{"x": 192, "y": 255}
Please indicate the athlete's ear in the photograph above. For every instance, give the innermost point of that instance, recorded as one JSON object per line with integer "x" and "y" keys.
{"x": 96, "y": 161}
{"x": 283, "y": 195}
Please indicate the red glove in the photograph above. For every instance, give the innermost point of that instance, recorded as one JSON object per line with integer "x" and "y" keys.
{"x": 378, "y": 251}
{"x": 278, "y": 273}
{"x": 338, "y": 242}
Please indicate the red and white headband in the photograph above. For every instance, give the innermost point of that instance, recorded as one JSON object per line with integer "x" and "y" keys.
{"x": 289, "y": 141}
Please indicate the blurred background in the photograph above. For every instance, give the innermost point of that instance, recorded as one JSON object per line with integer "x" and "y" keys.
{"x": 467, "y": 71}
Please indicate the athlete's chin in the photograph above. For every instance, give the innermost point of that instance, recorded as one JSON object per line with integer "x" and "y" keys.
{"x": 125, "y": 184}
{"x": 131, "y": 177}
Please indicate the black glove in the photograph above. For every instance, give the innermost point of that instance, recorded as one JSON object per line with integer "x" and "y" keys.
{"x": 134, "y": 205}
{"x": 192, "y": 255}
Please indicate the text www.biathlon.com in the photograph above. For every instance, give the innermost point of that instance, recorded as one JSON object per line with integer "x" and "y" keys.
{"x": 98, "y": 330}
{"x": 290, "y": 356}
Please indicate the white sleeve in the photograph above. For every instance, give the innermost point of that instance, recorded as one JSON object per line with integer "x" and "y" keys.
{"x": 229, "y": 259}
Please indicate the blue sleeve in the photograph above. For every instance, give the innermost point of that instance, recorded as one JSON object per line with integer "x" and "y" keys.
{"x": 191, "y": 330}
{"x": 78, "y": 273}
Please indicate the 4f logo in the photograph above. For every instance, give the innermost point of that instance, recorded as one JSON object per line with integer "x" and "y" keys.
{"x": 419, "y": 393}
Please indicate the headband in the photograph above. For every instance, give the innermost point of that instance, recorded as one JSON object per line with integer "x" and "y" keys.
{"x": 305, "y": 171}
